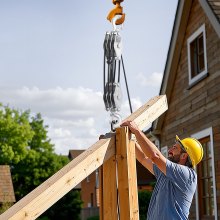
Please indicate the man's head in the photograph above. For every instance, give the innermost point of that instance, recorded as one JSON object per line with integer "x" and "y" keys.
{"x": 187, "y": 152}
{"x": 178, "y": 155}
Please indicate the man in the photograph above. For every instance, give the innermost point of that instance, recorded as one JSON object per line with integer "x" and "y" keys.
{"x": 176, "y": 178}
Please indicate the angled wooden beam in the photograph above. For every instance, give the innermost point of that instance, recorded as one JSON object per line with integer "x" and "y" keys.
{"x": 49, "y": 192}
{"x": 149, "y": 112}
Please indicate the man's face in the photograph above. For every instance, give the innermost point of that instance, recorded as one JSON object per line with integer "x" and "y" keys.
{"x": 174, "y": 153}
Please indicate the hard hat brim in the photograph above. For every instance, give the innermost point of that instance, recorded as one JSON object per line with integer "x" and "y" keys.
{"x": 178, "y": 139}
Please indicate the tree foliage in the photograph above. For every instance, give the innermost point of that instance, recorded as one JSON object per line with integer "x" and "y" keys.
{"x": 143, "y": 201}
{"x": 15, "y": 133}
{"x": 25, "y": 146}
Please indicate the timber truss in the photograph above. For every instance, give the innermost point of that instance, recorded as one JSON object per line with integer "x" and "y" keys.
{"x": 115, "y": 156}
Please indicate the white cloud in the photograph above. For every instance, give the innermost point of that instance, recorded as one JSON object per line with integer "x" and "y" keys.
{"x": 125, "y": 109}
{"x": 75, "y": 116}
{"x": 153, "y": 80}
{"x": 60, "y": 103}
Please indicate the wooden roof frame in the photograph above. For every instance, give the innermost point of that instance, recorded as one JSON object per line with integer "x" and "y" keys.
{"x": 54, "y": 188}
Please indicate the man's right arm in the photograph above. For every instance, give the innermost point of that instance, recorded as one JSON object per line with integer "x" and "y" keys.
{"x": 143, "y": 159}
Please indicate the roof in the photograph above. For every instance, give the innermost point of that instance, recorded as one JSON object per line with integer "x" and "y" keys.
{"x": 212, "y": 11}
{"x": 6, "y": 186}
{"x": 74, "y": 153}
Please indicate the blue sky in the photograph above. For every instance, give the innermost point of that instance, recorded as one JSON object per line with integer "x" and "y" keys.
{"x": 51, "y": 61}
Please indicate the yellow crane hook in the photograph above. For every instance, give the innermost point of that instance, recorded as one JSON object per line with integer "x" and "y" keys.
{"x": 118, "y": 10}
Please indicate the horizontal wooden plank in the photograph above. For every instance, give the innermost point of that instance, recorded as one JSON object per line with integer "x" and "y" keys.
{"x": 49, "y": 192}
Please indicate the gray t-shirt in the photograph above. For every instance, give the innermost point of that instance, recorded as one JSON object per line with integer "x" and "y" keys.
{"x": 173, "y": 192}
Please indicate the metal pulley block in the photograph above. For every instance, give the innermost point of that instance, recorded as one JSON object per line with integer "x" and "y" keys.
{"x": 107, "y": 48}
{"x": 106, "y": 98}
{"x": 112, "y": 97}
{"x": 112, "y": 46}
{"x": 116, "y": 97}
{"x": 113, "y": 58}
{"x": 112, "y": 91}
{"x": 117, "y": 45}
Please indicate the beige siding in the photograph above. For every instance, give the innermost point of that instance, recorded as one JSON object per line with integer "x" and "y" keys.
{"x": 194, "y": 109}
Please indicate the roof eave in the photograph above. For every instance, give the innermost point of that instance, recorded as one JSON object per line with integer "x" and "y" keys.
{"x": 210, "y": 14}
{"x": 178, "y": 32}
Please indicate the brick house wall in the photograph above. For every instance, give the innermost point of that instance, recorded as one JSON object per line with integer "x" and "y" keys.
{"x": 89, "y": 191}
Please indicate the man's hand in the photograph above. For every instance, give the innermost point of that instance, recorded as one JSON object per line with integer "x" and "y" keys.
{"x": 132, "y": 126}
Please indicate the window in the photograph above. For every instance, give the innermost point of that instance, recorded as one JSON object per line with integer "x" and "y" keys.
{"x": 206, "y": 191}
{"x": 205, "y": 183}
{"x": 164, "y": 151}
{"x": 197, "y": 61}
{"x": 92, "y": 200}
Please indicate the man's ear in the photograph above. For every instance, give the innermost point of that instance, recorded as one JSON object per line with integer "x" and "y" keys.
{"x": 184, "y": 156}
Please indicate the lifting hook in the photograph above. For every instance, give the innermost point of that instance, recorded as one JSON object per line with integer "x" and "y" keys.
{"x": 118, "y": 10}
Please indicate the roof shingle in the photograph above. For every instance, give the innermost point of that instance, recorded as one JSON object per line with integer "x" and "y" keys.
{"x": 6, "y": 186}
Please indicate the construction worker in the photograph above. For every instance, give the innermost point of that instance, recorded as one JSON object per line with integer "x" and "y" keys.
{"x": 176, "y": 177}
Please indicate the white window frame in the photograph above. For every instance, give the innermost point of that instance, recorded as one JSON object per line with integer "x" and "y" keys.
{"x": 189, "y": 40}
{"x": 205, "y": 133}
{"x": 87, "y": 179}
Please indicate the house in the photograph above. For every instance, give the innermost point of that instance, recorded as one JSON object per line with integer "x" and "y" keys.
{"x": 7, "y": 196}
{"x": 191, "y": 82}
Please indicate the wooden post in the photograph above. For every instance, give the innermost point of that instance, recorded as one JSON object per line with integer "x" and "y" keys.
{"x": 127, "y": 178}
{"x": 109, "y": 205}
{"x": 101, "y": 216}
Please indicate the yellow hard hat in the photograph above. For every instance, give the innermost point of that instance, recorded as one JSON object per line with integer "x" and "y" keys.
{"x": 193, "y": 148}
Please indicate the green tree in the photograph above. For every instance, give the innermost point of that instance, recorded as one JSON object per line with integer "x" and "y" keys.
{"x": 25, "y": 146}
{"x": 143, "y": 201}
{"x": 40, "y": 161}
{"x": 15, "y": 133}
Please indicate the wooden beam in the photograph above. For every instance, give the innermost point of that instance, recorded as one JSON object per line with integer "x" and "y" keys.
{"x": 127, "y": 176}
{"x": 49, "y": 192}
{"x": 45, "y": 195}
{"x": 149, "y": 112}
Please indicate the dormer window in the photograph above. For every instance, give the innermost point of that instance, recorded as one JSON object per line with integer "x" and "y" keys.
{"x": 197, "y": 60}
